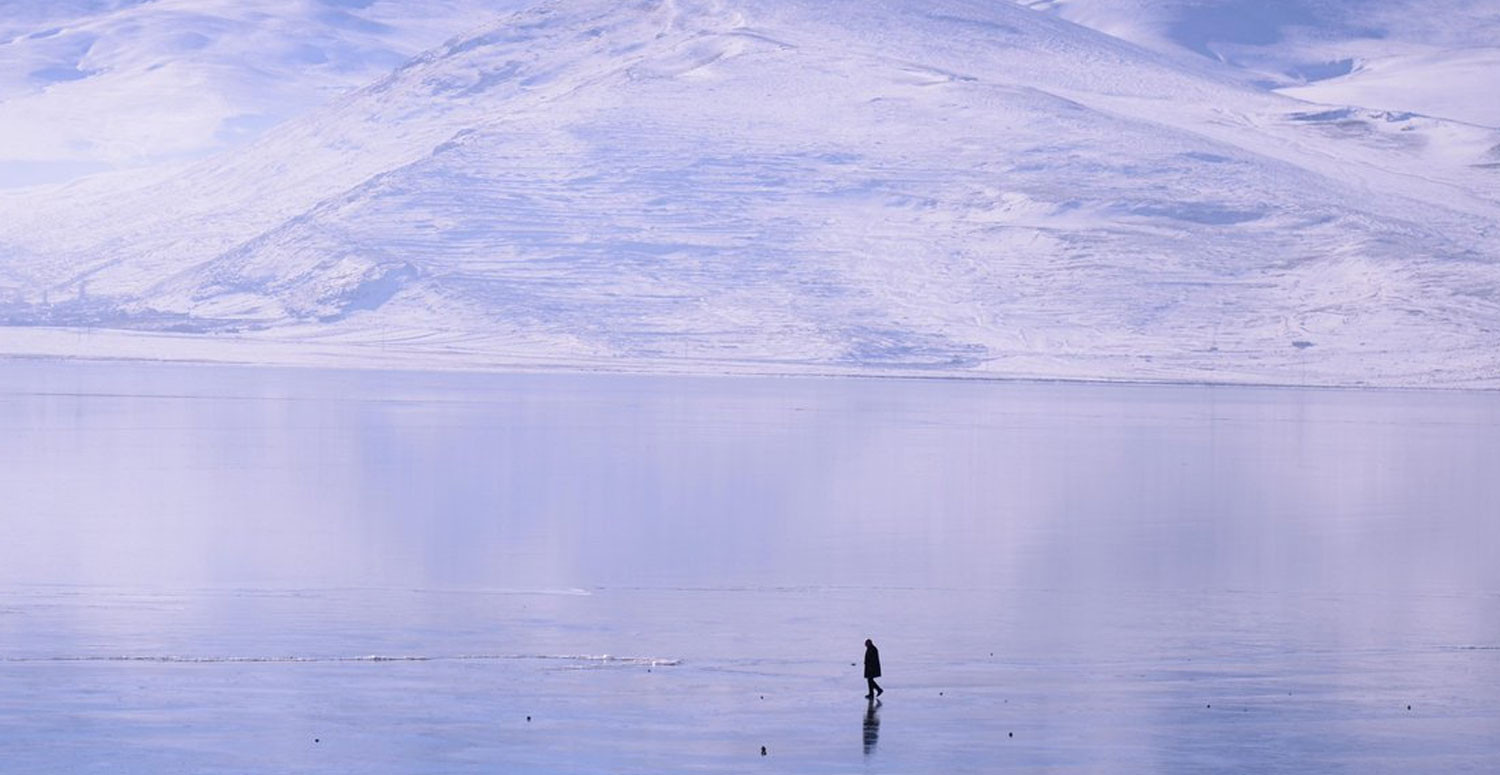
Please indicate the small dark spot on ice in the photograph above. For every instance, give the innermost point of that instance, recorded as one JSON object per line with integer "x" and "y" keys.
{"x": 1408, "y": 707}
{"x": 316, "y": 740}
{"x": 1010, "y": 734}
{"x": 528, "y": 718}
{"x": 1302, "y": 344}
{"x": 762, "y": 750}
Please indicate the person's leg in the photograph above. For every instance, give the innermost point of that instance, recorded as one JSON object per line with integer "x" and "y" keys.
{"x": 876, "y": 687}
{"x": 870, "y": 682}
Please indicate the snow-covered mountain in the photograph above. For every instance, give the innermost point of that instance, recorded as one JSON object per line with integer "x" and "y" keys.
{"x": 1435, "y": 57}
{"x": 90, "y": 85}
{"x": 876, "y": 186}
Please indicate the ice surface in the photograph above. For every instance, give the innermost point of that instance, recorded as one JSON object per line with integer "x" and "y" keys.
{"x": 215, "y": 569}
{"x": 883, "y": 187}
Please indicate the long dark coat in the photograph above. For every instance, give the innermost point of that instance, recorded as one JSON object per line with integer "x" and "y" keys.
{"x": 872, "y": 662}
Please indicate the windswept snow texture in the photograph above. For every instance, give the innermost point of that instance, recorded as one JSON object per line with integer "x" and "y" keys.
{"x": 87, "y": 85}
{"x": 789, "y": 185}
{"x": 1436, "y": 57}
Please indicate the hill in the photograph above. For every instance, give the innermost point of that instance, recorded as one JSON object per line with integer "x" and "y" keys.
{"x": 949, "y": 187}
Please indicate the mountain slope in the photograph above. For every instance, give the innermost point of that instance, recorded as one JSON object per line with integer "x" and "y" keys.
{"x": 961, "y": 187}
{"x": 1435, "y": 57}
{"x": 88, "y": 85}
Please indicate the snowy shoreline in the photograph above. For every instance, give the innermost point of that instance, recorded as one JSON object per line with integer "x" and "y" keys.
{"x": 127, "y": 347}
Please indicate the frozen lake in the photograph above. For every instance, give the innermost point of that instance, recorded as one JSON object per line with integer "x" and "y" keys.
{"x": 214, "y": 569}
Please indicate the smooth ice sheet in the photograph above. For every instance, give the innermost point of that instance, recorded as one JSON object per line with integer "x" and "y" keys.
{"x": 225, "y": 570}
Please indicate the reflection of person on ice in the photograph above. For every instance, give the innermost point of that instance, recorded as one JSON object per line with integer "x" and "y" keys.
{"x": 872, "y": 669}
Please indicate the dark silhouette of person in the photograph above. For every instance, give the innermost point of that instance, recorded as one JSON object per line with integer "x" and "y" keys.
{"x": 872, "y": 727}
{"x": 872, "y": 670}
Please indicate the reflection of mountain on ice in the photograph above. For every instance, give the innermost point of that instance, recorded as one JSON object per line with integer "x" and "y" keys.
{"x": 977, "y": 188}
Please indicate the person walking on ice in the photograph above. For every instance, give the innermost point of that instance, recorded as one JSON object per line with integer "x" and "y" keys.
{"x": 872, "y": 670}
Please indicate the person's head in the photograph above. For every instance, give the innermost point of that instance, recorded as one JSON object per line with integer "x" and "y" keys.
{"x": 869, "y": 644}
